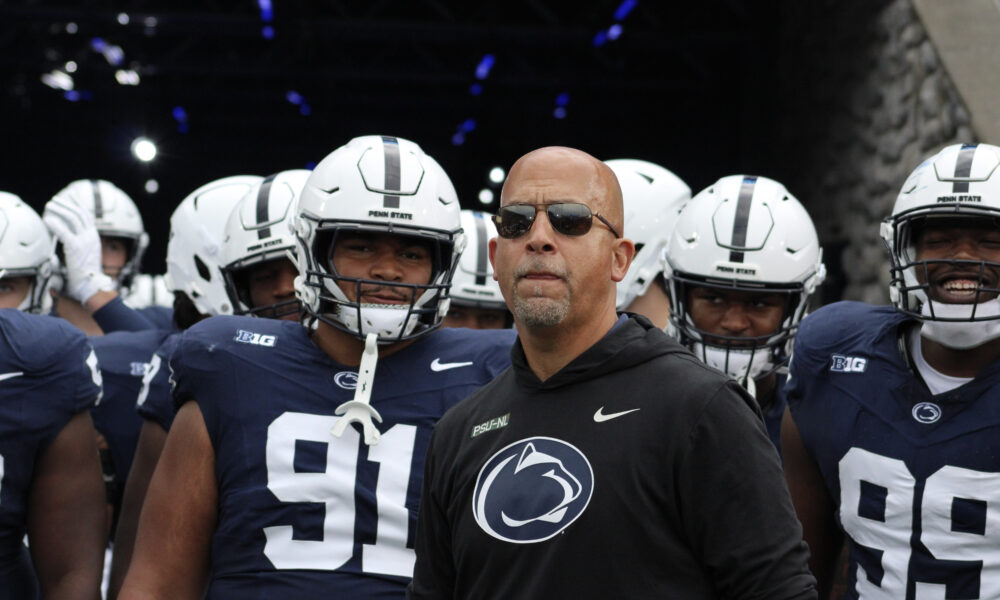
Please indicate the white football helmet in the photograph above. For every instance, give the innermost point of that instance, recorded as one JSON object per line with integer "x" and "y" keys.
{"x": 27, "y": 250}
{"x": 381, "y": 185}
{"x": 473, "y": 284}
{"x": 960, "y": 182}
{"x": 652, "y": 198}
{"x": 746, "y": 234}
{"x": 149, "y": 290}
{"x": 194, "y": 249}
{"x": 115, "y": 215}
{"x": 259, "y": 229}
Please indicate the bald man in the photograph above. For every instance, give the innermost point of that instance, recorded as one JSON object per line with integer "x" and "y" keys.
{"x": 607, "y": 462}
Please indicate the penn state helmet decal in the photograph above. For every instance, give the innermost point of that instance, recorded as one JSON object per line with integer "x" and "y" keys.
{"x": 531, "y": 490}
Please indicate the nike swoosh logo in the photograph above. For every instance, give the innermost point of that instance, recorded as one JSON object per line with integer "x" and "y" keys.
{"x": 600, "y": 417}
{"x": 11, "y": 375}
{"x": 437, "y": 365}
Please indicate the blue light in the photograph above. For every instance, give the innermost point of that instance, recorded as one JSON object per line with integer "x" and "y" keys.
{"x": 559, "y": 112}
{"x": 180, "y": 114}
{"x": 562, "y": 99}
{"x": 310, "y": 165}
{"x": 267, "y": 32}
{"x": 600, "y": 38}
{"x": 266, "y": 10}
{"x": 305, "y": 110}
{"x": 458, "y": 139}
{"x": 468, "y": 125}
{"x": 71, "y": 95}
{"x": 98, "y": 44}
{"x": 615, "y": 31}
{"x": 483, "y": 70}
{"x": 294, "y": 97}
{"x": 183, "y": 127}
{"x": 624, "y": 9}
{"x": 475, "y": 89}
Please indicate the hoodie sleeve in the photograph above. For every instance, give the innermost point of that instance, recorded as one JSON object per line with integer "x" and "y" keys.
{"x": 737, "y": 511}
{"x": 434, "y": 572}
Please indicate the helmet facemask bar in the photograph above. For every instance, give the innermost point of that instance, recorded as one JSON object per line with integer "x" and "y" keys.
{"x": 426, "y": 304}
{"x": 236, "y": 277}
{"x": 910, "y": 278}
{"x": 742, "y": 358}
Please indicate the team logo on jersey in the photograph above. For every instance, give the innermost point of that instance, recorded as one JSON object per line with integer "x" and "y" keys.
{"x": 848, "y": 364}
{"x": 139, "y": 368}
{"x": 531, "y": 490}
{"x": 256, "y": 339}
{"x": 346, "y": 379}
{"x": 926, "y": 412}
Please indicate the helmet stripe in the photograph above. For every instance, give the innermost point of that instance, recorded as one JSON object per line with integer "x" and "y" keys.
{"x": 393, "y": 171}
{"x": 262, "y": 205}
{"x": 98, "y": 203}
{"x": 963, "y": 167}
{"x": 483, "y": 253}
{"x": 742, "y": 218}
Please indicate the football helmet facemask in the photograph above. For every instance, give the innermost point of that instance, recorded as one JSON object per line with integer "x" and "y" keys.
{"x": 376, "y": 185}
{"x": 746, "y": 234}
{"x": 259, "y": 230}
{"x": 960, "y": 183}
{"x": 652, "y": 197}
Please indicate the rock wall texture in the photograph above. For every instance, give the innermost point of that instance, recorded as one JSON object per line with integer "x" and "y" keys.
{"x": 863, "y": 99}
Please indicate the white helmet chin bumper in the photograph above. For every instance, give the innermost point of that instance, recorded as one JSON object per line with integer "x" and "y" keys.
{"x": 961, "y": 334}
{"x": 741, "y": 365}
{"x": 388, "y": 322}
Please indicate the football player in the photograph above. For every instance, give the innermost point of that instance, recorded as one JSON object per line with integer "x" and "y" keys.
{"x": 259, "y": 248}
{"x": 51, "y": 477}
{"x": 741, "y": 265}
{"x": 476, "y": 302}
{"x": 102, "y": 240}
{"x": 893, "y": 436}
{"x": 197, "y": 231}
{"x": 652, "y": 196}
{"x": 294, "y": 465}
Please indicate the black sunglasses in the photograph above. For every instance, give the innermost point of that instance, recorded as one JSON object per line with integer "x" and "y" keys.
{"x": 567, "y": 218}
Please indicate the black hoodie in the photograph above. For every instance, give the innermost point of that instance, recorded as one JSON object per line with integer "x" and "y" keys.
{"x": 634, "y": 472}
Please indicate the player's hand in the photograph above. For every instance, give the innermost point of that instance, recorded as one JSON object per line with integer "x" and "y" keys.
{"x": 74, "y": 226}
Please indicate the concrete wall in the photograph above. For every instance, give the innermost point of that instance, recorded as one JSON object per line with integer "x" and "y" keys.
{"x": 862, "y": 98}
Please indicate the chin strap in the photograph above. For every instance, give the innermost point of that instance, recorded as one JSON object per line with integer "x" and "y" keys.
{"x": 359, "y": 410}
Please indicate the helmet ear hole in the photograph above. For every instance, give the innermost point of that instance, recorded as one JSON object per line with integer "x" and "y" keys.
{"x": 203, "y": 271}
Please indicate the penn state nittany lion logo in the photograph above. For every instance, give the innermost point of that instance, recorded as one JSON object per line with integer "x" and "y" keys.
{"x": 531, "y": 490}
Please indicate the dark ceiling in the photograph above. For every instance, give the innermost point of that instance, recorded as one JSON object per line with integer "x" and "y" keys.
{"x": 685, "y": 85}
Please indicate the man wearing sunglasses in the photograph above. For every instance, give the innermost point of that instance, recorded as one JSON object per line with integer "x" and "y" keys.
{"x": 601, "y": 465}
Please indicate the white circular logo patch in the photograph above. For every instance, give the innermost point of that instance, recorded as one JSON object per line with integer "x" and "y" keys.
{"x": 531, "y": 490}
{"x": 346, "y": 379}
{"x": 927, "y": 412}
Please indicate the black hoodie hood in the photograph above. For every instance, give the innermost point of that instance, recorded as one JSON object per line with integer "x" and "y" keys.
{"x": 634, "y": 341}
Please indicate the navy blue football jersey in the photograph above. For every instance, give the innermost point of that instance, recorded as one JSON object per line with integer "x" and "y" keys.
{"x": 303, "y": 513}
{"x": 48, "y": 374}
{"x": 162, "y": 317}
{"x": 916, "y": 476}
{"x": 124, "y": 358}
{"x": 155, "y": 401}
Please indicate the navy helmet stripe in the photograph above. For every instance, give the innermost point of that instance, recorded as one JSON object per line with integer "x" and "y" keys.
{"x": 393, "y": 171}
{"x": 963, "y": 168}
{"x": 98, "y": 201}
{"x": 742, "y": 219}
{"x": 263, "y": 196}
{"x": 483, "y": 255}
